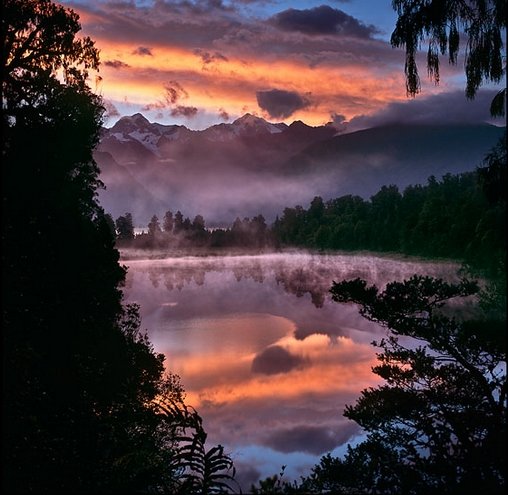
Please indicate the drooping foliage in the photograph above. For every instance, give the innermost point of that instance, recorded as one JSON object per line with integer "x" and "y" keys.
{"x": 442, "y": 25}
{"x": 81, "y": 382}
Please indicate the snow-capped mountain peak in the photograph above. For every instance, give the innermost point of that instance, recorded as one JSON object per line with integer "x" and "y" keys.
{"x": 158, "y": 139}
{"x": 249, "y": 123}
{"x": 131, "y": 123}
{"x": 138, "y": 128}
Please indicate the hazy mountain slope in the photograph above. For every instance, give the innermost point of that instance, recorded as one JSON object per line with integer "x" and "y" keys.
{"x": 252, "y": 166}
{"x": 361, "y": 162}
{"x": 123, "y": 192}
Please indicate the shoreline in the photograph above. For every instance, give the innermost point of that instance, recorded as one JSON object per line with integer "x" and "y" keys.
{"x": 132, "y": 254}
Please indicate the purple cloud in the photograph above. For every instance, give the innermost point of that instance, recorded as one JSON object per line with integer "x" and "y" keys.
{"x": 275, "y": 359}
{"x": 208, "y": 57}
{"x": 224, "y": 115}
{"x": 111, "y": 110}
{"x": 218, "y": 29}
{"x": 446, "y": 108}
{"x": 143, "y": 51}
{"x": 116, "y": 64}
{"x": 279, "y": 103}
{"x": 181, "y": 110}
{"x": 174, "y": 91}
{"x": 312, "y": 439}
{"x": 321, "y": 20}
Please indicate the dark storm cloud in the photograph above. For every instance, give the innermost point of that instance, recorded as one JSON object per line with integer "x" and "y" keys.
{"x": 339, "y": 122}
{"x": 321, "y": 20}
{"x": 116, "y": 64}
{"x": 275, "y": 360}
{"x": 143, "y": 51}
{"x": 181, "y": 110}
{"x": 281, "y": 104}
{"x": 311, "y": 439}
{"x": 447, "y": 108}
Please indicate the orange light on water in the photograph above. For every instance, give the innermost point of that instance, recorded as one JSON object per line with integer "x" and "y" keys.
{"x": 321, "y": 367}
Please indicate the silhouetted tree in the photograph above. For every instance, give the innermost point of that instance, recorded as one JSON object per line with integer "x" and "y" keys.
{"x": 125, "y": 228}
{"x": 258, "y": 230}
{"x": 80, "y": 381}
{"x": 492, "y": 175}
{"x": 154, "y": 227}
{"x": 186, "y": 224}
{"x": 198, "y": 223}
{"x": 178, "y": 223}
{"x": 413, "y": 198}
{"x": 440, "y": 23}
{"x": 384, "y": 219}
{"x": 199, "y": 236}
{"x": 440, "y": 420}
{"x": 168, "y": 222}
{"x": 110, "y": 223}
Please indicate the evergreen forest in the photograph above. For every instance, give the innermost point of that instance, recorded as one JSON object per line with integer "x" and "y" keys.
{"x": 448, "y": 218}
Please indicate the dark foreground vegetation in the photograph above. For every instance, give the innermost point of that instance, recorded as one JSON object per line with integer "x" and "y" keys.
{"x": 87, "y": 404}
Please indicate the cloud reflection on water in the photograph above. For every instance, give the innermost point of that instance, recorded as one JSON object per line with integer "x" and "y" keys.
{"x": 264, "y": 355}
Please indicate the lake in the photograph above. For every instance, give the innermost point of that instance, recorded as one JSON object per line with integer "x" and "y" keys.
{"x": 265, "y": 356}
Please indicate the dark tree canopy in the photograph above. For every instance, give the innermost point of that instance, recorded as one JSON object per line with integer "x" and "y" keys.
{"x": 39, "y": 39}
{"x": 154, "y": 227}
{"x": 168, "y": 221}
{"x": 86, "y": 407}
{"x": 441, "y": 25}
{"x": 125, "y": 227}
{"x": 441, "y": 416}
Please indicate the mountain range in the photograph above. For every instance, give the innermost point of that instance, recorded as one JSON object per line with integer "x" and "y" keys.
{"x": 252, "y": 166}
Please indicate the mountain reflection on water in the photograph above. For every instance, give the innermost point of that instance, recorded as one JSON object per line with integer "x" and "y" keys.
{"x": 265, "y": 356}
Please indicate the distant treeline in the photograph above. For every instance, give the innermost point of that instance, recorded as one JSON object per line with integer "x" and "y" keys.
{"x": 175, "y": 231}
{"x": 451, "y": 218}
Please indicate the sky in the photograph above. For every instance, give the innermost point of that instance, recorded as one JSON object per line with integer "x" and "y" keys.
{"x": 204, "y": 62}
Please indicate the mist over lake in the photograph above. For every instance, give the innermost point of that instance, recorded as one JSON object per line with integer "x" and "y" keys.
{"x": 263, "y": 353}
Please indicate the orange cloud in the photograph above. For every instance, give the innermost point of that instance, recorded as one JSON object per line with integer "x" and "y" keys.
{"x": 232, "y": 83}
{"x": 223, "y": 56}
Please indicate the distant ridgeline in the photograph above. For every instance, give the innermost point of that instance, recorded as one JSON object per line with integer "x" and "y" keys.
{"x": 453, "y": 217}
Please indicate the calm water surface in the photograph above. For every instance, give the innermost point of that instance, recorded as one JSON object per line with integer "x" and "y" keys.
{"x": 264, "y": 355}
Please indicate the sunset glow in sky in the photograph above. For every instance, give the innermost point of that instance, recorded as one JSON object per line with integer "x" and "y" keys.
{"x": 203, "y": 62}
